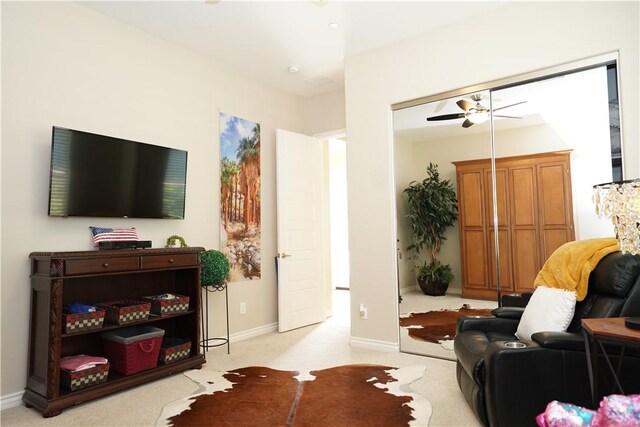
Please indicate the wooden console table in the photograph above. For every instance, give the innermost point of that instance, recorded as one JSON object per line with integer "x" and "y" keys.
{"x": 597, "y": 331}
{"x": 61, "y": 278}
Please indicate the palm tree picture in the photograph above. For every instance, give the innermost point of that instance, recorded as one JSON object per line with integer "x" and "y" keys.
{"x": 240, "y": 196}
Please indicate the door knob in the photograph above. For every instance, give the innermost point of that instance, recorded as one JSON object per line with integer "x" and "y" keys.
{"x": 283, "y": 255}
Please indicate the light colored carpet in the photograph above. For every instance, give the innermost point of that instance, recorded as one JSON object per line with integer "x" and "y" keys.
{"x": 315, "y": 347}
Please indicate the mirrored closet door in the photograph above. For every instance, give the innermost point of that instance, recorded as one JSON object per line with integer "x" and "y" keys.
{"x": 522, "y": 156}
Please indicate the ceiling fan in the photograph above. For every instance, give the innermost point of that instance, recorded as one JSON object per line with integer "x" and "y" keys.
{"x": 473, "y": 113}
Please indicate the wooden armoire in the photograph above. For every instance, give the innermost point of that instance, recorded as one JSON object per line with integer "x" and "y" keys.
{"x": 535, "y": 216}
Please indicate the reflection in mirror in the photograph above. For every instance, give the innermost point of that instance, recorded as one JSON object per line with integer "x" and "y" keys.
{"x": 448, "y": 137}
{"x": 560, "y": 136}
{"x": 546, "y": 164}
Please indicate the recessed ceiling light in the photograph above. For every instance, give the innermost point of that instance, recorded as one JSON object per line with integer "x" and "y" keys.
{"x": 293, "y": 69}
{"x": 333, "y": 25}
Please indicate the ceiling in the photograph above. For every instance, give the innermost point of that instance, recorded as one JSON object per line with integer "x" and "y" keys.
{"x": 411, "y": 123}
{"x": 262, "y": 39}
{"x": 557, "y": 101}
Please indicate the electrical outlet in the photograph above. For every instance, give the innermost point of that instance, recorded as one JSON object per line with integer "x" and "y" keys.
{"x": 363, "y": 312}
{"x": 243, "y": 308}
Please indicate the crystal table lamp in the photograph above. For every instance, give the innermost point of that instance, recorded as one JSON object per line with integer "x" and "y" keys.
{"x": 620, "y": 201}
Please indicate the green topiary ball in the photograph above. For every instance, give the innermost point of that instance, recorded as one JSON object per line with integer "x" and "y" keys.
{"x": 214, "y": 267}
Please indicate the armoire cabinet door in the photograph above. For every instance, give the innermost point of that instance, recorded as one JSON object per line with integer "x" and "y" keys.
{"x": 556, "y": 211}
{"x": 524, "y": 220}
{"x": 471, "y": 207}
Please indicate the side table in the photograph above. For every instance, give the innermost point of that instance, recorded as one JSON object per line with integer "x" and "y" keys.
{"x": 208, "y": 342}
{"x": 596, "y": 331}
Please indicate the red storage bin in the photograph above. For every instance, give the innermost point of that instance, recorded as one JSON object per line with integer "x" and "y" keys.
{"x": 132, "y": 350}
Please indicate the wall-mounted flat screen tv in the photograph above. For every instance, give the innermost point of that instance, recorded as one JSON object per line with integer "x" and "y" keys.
{"x": 101, "y": 176}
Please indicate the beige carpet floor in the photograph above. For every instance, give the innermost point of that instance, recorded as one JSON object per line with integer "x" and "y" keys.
{"x": 315, "y": 347}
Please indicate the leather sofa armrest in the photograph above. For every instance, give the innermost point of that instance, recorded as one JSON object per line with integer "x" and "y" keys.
{"x": 559, "y": 340}
{"x": 486, "y": 324}
{"x": 516, "y": 300}
{"x": 508, "y": 312}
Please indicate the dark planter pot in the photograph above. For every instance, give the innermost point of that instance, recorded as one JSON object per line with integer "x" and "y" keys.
{"x": 434, "y": 289}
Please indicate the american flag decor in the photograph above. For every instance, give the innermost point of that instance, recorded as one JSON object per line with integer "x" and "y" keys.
{"x": 101, "y": 234}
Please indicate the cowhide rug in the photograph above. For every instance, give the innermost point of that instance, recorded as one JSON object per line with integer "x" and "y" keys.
{"x": 438, "y": 326}
{"x": 350, "y": 395}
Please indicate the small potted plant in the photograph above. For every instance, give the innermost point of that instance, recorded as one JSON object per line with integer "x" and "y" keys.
{"x": 214, "y": 268}
{"x": 433, "y": 207}
{"x": 175, "y": 241}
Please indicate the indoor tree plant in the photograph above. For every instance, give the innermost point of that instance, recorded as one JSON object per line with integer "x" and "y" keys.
{"x": 433, "y": 207}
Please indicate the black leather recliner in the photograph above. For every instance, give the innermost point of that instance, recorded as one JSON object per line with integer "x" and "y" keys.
{"x": 510, "y": 386}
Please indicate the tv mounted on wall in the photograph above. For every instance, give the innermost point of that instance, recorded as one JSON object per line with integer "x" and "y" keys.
{"x": 100, "y": 176}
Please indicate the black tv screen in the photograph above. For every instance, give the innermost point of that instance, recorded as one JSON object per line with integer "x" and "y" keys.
{"x": 100, "y": 176}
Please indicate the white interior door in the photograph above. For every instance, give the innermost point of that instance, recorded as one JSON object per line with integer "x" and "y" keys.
{"x": 299, "y": 202}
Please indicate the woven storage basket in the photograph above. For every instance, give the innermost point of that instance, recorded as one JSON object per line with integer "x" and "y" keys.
{"x": 126, "y": 311}
{"x": 164, "y": 306}
{"x": 132, "y": 350}
{"x": 78, "y": 322}
{"x": 174, "y": 349}
{"x": 75, "y": 380}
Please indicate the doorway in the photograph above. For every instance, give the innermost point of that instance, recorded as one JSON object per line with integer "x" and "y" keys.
{"x": 338, "y": 217}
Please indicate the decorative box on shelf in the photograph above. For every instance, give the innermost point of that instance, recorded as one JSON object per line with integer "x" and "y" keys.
{"x": 126, "y": 311}
{"x": 75, "y": 380}
{"x": 78, "y": 322}
{"x": 165, "y": 304}
{"x": 174, "y": 349}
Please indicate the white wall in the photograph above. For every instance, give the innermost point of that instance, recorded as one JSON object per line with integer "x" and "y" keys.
{"x": 513, "y": 39}
{"x": 324, "y": 113}
{"x": 65, "y": 65}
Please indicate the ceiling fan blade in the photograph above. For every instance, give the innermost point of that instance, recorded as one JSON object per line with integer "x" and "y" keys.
{"x": 445, "y": 117}
{"x": 507, "y": 106}
{"x": 465, "y": 105}
{"x": 467, "y": 123}
{"x": 506, "y": 117}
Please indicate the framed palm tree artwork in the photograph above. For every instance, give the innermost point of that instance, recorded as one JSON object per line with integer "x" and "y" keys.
{"x": 240, "y": 196}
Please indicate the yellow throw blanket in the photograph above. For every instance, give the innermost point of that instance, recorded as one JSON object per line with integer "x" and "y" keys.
{"x": 569, "y": 266}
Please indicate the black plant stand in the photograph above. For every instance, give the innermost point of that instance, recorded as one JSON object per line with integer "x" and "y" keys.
{"x": 207, "y": 342}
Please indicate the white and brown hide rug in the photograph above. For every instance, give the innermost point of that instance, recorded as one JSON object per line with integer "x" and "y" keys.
{"x": 349, "y": 395}
{"x": 434, "y": 327}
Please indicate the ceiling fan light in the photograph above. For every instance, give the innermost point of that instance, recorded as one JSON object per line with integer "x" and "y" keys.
{"x": 478, "y": 117}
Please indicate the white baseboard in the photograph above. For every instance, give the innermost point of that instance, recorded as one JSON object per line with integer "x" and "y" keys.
{"x": 250, "y": 333}
{"x": 408, "y": 289}
{"x": 376, "y": 345}
{"x": 11, "y": 400}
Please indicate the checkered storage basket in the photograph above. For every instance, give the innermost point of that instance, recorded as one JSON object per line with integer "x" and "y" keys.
{"x": 174, "y": 349}
{"x": 74, "y": 380}
{"x": 126, "y": 311}
{"x": 164, "y": 306}
{"x": 78, "y": 322}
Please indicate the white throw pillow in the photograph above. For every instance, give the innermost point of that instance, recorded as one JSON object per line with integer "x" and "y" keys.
{"x": 549, "y": 309}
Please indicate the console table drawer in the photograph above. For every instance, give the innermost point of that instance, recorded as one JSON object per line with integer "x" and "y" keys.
{"x": 86, "y": 266}
{"x": 164, "y": 261}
